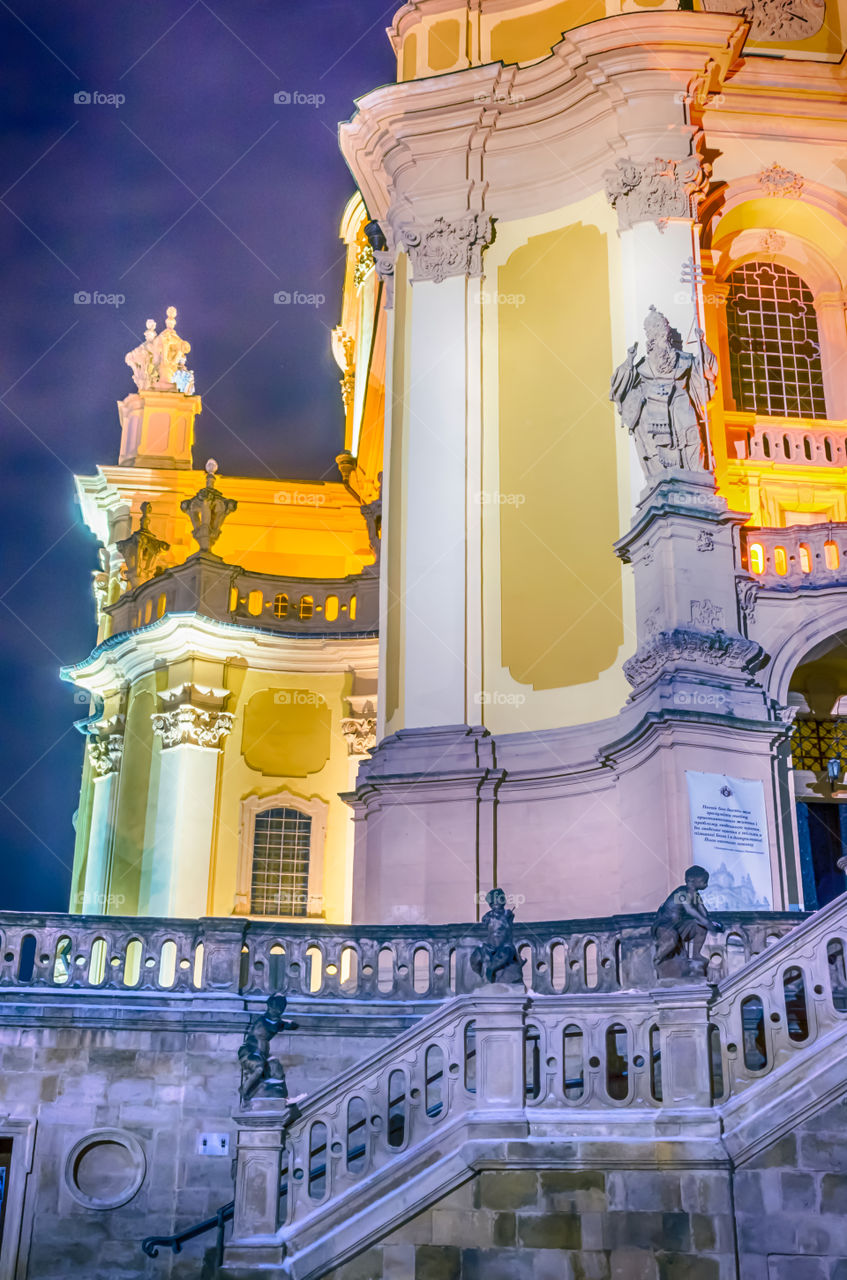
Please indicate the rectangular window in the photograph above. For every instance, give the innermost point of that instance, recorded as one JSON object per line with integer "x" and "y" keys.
{"x": 281, "y": 847}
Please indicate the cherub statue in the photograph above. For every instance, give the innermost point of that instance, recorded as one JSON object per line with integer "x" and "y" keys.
{"x": 682, "y": 919}
{"x": 496, "y": 960}
{"x": 259, "y": 1071}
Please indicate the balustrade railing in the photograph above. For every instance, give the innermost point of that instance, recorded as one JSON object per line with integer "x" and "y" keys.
{"x": 798, "y": 441}
{"x": 809, "y": 555}
{"x": 226, "y": 593}
{"x": 404, "y": 962}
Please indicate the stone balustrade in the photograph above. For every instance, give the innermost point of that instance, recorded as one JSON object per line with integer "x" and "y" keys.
{"x": 800, "y": 442}
{"x": 299, "y": 606}
{"x": 503, "y": 1066}
{"x": 813, "y": 555}
{"x": 343, "y": 962}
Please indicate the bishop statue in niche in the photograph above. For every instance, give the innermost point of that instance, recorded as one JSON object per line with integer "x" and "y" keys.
{"x": 662, "y": 398}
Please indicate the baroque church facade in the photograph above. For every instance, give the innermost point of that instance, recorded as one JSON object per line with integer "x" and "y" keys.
{"x": 570, "y": 623}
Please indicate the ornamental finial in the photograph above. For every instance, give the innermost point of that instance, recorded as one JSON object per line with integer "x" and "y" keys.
{"x": 158, "y": 364}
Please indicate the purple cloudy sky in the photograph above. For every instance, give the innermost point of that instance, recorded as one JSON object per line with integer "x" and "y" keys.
{"x": 198, "y": 191}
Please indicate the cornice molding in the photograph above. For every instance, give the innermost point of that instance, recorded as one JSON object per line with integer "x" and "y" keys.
{"x": 612, "y": 88}
{"x": 127, "y": 658}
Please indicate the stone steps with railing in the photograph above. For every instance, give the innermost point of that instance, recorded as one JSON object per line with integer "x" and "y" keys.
{"x": 683, "y": 1073}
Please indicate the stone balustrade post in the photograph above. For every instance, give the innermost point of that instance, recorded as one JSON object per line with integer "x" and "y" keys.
{"x": 500, "y": 1053}
{"x": 683, "y": 1017}
{"x": 261, "y": 1139}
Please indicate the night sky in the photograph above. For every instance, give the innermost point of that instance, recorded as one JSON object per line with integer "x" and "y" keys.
{"x": 198, "y": 191}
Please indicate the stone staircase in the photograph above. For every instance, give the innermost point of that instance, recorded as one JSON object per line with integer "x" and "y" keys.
{"x": 681, "y": 1077}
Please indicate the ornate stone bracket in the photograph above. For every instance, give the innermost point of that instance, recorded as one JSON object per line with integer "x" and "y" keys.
{"x": 684, "y": 644}
{"x": 381, "y": 240}
{"x": 442, "y": 248}
{"x": 747, "y": 591}
{"x": 655, "y": 190}
{"x": 105, "y": 752}
{"x": 360, "y": 734}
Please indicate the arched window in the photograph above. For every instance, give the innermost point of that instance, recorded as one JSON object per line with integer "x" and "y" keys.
{"x": 280, "y": 881}
{"x": 774, "y": 349}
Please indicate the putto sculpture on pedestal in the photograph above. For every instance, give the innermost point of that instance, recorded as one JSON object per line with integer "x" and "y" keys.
{"x": 496, "y": 960}
{"x": 683, "y": 919}
{"x": 262, "y": 1075}
{"x": 662, "y": 398}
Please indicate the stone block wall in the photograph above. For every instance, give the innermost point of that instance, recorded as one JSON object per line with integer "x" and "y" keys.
{"x": 565, "y": 1224}
{"x": 791, "y": 1202}
{"x": 158, "y": 1079}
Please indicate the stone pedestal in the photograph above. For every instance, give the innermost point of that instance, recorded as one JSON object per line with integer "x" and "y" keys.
{"x": 500, "y": 1055}
{"x": 261, "y": 1139}
{"x": 684, "y": 1030}
{"x": 157, "y": 429}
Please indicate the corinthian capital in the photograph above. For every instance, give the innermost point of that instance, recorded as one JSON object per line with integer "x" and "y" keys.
{"x": 655, "y": 190}
{"x": 441, "y": 249}
{"x": 105, "y": 753}
{"x": 192, "y": 726}
{"x": 360, "y": 734}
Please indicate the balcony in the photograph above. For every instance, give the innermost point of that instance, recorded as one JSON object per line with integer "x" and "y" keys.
{"x": 796, "y": 442}
{"x": 813, "y": 555}
{"x": 208, "y": 586}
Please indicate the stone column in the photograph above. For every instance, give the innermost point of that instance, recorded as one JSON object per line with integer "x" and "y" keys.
{"x": 186, "y": 806}
{"x": 832, "y": 330}
{"x": 104, "y": 753}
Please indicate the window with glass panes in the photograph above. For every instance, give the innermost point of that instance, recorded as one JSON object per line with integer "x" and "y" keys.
{"x": 281, "y": 843}
{"x": 774, "y": 348}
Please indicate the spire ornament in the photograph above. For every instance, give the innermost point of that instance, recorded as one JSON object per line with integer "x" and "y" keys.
{"x": 207, "y": 510}
{"x": 158, "y": 363}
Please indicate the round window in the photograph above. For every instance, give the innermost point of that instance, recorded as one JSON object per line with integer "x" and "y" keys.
{"x": 105, "y": 1169}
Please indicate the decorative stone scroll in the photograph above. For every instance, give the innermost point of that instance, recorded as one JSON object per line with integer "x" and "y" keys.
{"x": 360, "y": 734}
{"x": 775, "y": 19}
{"x": 208, "y": 509}
{"x": 441, "y": 249}
{"x": 381, "y": 240}
{"x": 747, "y": 590}
{"x": 776, "y": 180}
{"x": 105, "y": 752}
{"x": 655, "y": 190}
{"x": 187, "y": 725}
{"x": 683, "y": 644}
{"x": 141, "y": 550}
